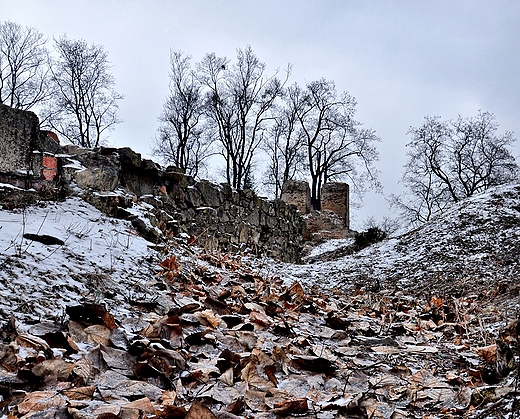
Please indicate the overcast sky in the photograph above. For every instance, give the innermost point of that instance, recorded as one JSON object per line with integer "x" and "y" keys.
{"x": 402, "y": 60}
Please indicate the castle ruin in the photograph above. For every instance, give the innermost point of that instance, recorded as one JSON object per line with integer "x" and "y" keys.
{"x": 334, "y": 199}
{"x": 112, "y": 179}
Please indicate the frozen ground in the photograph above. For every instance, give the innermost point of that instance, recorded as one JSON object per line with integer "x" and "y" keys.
{"x": 473, "y": 249}
{"x": 100, "y": 257}
{"x": 399, "y": 327}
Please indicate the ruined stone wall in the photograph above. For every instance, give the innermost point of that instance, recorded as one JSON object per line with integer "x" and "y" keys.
{"x": 335, "y": 211}
{"x": 211, "y": 215}
{"x": 297, "y": 193}
{"x": 18, "y": 136}
{"x": 335, "y": 198}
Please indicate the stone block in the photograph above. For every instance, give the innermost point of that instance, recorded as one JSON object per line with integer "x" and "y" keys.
{"x": 18, "y": 137}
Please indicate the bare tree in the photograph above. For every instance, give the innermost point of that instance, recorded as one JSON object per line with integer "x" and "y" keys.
{"x": 239, "y": 99}
{"x": 84, "y": 107}
{"x": 452, "y": 160}
{"x": 181, "y": 140}
{"x": 24, "y": 69}
{"x": 335, "y": 143}
{"x": 285, "y": 143}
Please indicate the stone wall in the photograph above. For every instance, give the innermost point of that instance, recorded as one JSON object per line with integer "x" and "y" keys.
{"x": 335, "y": 198}
{"x": 211, "y": 215}
{"x": 18, "y": 135}
{"x": 335, "y": 211}
{"x": 297, "y": 193}
{"x": 27, "y": 155}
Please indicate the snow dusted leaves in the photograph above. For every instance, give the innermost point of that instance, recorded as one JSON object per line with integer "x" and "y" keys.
{"x": 220, "y": 338}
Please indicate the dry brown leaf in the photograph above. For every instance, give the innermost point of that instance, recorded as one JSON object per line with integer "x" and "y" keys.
{"x": 84, "y": 369}
{"x": 199, "y": 411}
{"x": 437, "y": 302}
{"x": 237, "y": 406}
{"x": 29, "y": 341}
{"x": 53, "y": 367}
{"x": 250, "y": 376}
{"x": 255, "y": 400}
{"x": 143, "y": 405}
{"x": 80, "y": 393}
{"x": 377, "y": 409}
{"x": 171, "y": 411}
{"x": 98, "y": 334}
{"x": 41, "y": 400}
{"x": 227, "y": 377}
{"x": 259, "y": 318}
{"x": 461, "y": 400}
{"x": 210, "y": 316}
{"x": 293, "y": 406}
{"x": 171, "y": 268}
{"x": 77, "y": 331}
{"x": 488, "y": 353}
{"x": 270, "y": 372}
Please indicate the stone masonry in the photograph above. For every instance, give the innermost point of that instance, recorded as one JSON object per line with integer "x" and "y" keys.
{"x": 297, "y": 193}
{"x": 19, "y": 133}
{"x": 335, "y": 198}
{"x": 27, "y": 155}
{"x": 212, "y": 216}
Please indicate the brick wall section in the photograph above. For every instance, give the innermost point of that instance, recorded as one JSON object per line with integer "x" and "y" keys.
{"x": 49, "y": 167}
{"x": 297, "y": 193}
{"x": 18, "y": 136}
{"x": 335, "y": 198}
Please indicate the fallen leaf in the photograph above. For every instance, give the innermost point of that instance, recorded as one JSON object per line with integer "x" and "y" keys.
{"x": 314, "y": 363}
{"x": 210, "y": 317}
{"x": 98, "y": 334}
{"x": 293, "y": 406}
{"x": 142, "y": 405}
{"x": 421, "y": 349}
{"x": 80, "y": 393}
{"x": 54, "y": 367}
{"x": 199, "y": 411}
{"x": 38, "y": 401}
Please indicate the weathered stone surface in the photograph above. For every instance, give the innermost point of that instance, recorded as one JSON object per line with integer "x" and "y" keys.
{"x": 111, "y": 179}
{"x": 18, "y": 135}
{"x": 129, "y": 157}
{"x": 212, "y": 196}
{"x": 297, "y": 193}
{"x": 98, "y": 178}
{"x": 335, "y": 198}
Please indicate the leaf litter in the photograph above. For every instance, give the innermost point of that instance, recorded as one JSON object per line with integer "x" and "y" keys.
{"x": 105, "y": 326}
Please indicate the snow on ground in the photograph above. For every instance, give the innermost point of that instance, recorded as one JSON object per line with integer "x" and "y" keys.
{"x": 471, "y": 250}
{"x": 474, "y": 247}
{"x": 328, "y": 246}
{"x": 101, "y": 257}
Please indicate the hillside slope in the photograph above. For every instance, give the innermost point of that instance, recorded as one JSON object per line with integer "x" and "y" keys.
{"x": 97, "y": 322}
{"x": 472, "y": 250}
